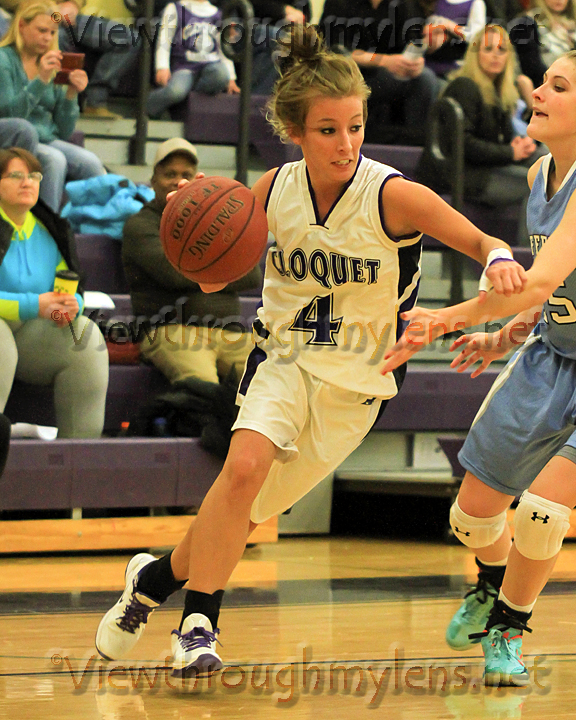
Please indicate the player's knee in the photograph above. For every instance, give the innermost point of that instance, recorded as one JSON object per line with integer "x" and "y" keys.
{"x": 244, "y": 476}
{"x": 476, "y": 532}
{"x": 540, "y": 526}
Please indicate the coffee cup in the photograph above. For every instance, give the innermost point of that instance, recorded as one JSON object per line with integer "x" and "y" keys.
{"x": 66, "y": 282}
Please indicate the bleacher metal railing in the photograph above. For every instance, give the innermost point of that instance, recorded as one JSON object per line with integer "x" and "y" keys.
{"x": 137, "y": 146}
{"x": 241, "y": 52}
{"x": 449, "y": 111}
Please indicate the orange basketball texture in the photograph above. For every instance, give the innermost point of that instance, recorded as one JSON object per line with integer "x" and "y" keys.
{"x": 214, "y": 230}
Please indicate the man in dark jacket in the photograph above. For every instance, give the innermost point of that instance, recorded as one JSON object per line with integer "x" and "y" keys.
{"x": 184, "y": 332}
{"x": 378, "y": 33}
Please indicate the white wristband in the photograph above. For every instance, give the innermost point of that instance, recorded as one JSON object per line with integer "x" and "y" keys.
{"x": 496, "y": 254}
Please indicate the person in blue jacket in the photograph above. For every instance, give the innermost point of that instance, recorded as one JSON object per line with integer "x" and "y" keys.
{"x": 44, "y": 338}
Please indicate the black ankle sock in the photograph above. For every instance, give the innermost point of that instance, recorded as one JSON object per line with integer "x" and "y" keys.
{"x": 203, "y": 603}
{"x": 494, "y": 574}
{"x": 157, "y": 580}
{"x": 503, "y": 614}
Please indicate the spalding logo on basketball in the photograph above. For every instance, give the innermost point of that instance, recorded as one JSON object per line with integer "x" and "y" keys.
{"x": 214, "y": 230}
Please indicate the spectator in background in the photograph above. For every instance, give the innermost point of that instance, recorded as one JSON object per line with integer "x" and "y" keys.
{"x": 270, "y": 17}
{"x": 402, "y": 88}
{"x": 189, "y": 56}
{"x": 15, "y": 132}
{"x": 449, "y": 25}
{"x": 44, "y": 338}
{"x": 111, "y": 53}
{"x": 496, "y": 163}
{"x": 181, "y": 339}
{"x": 29, "y": 58}
{"x": 553, "y": 33}
{"x": 7, "y": 9}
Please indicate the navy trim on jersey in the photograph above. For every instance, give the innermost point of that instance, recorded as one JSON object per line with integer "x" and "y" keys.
{"x": 256, "y": 357}
{"x": 408, "y": 264}
{"x": 381, "y": 211}
{"x": 271, "y": 186}
{"x": 313, "y": 194}
{"x": 399, "y": 375}
{"x": 260, "y": 329}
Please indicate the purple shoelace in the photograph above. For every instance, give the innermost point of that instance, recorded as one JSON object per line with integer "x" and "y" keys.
{"x": 198, "y": 637}
{"x": 135, "y": 614}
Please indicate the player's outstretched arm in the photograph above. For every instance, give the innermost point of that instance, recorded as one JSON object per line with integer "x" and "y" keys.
{"x": 410, "y": 207}
{"x": 555, "y": 261}
{"x": 486, "y": 347}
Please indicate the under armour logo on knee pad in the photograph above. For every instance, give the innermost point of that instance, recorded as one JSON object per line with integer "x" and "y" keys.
{"x": 544, "y": 519}
{"x": 462, "y": 532}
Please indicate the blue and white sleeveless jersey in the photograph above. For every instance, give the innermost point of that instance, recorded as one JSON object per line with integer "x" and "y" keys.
{"x": 334, "y": 287}
{"x": 558, "y": 324}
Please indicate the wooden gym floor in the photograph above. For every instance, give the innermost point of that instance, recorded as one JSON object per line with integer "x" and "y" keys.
{"x": 312, "y": 628}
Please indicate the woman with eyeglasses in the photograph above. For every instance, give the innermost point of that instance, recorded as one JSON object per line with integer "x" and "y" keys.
{"x": 29, "y": 61}
{"x": 44, "y": 338}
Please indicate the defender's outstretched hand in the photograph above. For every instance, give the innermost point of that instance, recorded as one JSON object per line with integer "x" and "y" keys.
{"x": 424, "y": 327}
{"x": 478, "y": 346}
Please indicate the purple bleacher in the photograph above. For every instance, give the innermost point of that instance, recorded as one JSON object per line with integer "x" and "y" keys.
{"x": 500, "y": 222}
{"x": 214, "y": 118}
{"x": 100, "y": 259}
{"x": 434, "y": 397}
{"x": 129, "y": 388}
{"x": 122, "y": 313}
{"x": 403, "y": 158}
{"x": 77, "y": 138}
{"x": 120, "y": 472}
{"x": 451, "y": 445}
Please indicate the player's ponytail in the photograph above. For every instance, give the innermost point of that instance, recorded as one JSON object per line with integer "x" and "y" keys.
{"x": 308, "y": 70}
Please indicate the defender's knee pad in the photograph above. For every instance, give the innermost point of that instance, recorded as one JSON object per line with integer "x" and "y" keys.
{"x": 476, "y": 532}
{"x": 540, "y": 526}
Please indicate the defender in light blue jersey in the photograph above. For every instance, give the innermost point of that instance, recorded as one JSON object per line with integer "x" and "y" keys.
{"x": 523, "y": 439}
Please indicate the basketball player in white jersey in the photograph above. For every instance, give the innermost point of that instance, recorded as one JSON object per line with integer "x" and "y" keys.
{"x": 523, "y": 439}
{"x": 346, "y": 261}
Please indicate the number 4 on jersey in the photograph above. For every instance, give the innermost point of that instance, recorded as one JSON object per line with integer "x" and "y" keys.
{"x": 316, "y": 318}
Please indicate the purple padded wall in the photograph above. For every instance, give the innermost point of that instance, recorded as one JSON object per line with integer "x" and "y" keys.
{"x": 38, "y": 476}
{"x": 107, "y": 473}
{"x": 197, "y": 470}
{"x": 125, "y": 472}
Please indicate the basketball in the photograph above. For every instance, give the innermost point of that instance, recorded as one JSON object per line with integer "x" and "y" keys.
{"x": 214, "y": 230}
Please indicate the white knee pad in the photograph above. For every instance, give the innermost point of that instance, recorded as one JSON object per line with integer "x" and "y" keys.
{"x": 540, "y": 526}
{"x": 476, "y": 532}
